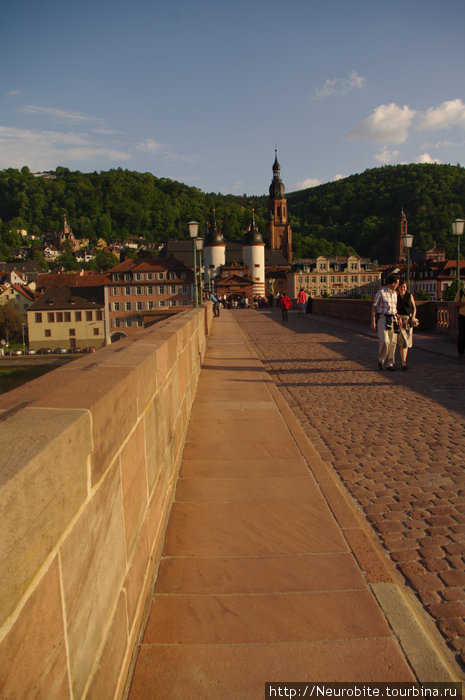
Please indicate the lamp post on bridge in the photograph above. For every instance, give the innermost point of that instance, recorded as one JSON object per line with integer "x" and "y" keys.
{"x": 408, "y": 242}
{"x": 457, "y": 229}
{"x": 199, "y": 246}
{"x": 193, "y": 233}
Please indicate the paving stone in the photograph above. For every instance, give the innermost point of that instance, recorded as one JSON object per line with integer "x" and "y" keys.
{"x": 449, "y": 609}
{"x": 411, "y": 489}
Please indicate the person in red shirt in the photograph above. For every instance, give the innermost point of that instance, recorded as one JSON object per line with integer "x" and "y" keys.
{"x": 285, "y": 304}
{"x": 302, "y": 301}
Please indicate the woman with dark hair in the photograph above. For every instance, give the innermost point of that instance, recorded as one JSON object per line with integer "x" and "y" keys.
{"x": 406, "y": 308}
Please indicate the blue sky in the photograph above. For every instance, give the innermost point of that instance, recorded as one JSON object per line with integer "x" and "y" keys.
{"x": 201, "y": 92}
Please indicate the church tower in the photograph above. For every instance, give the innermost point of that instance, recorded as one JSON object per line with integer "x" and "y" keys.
{"x": 278, "y": 230}
{"x": 402, "y": 230}
{"x": 253, "y": 255}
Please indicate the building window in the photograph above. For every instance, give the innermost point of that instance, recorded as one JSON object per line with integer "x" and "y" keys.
{"x": 160, "y": 275}
{"x": 127, "y": 291}
{"x": 138, "y": 276}
{"x": 48, "y": 333}
{"x": 150, "y": 305}
{"x": 50, "y": 317}
{"x": 114, "y": 291}
{"x": 162, "y": 302}
{"x": 139, "y": 290}
{"x": 77, "y": 316}
{"x": 72, "y": 332}
{"x": 96, "y": 331}
{"x": 149, "y": 290}
{"x": 88, "y": 315}
{"x": 140, "y": 306}
{"x": 116, "y": 306}
{"x": 184, "y": 289}
{"x": 173, "y": 289}
{"x": 140, "y": 322}
{"x": 68, "y": 316}
{"x": 128, "y": 306}
{"x": 150, "y": 275}
{"x": 161, "y": 290}
{"x": 59, "y": 317}
{"x": 38, "y": 318}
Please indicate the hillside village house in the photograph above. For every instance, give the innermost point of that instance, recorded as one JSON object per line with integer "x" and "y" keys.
{"x": 68, "y": 317}
{"x": 18, "y": 294}
{"x": 334, "y": 276}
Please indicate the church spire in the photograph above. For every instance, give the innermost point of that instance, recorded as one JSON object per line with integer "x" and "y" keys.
{"x": 279, "y": 232}
{"x": 276, "y": 187}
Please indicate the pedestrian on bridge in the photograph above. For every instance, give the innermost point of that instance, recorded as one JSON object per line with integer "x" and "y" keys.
{"x": 285, "y": 304}
{"x": 216, "y": 305}
{"x": 384, "y": 317}
{"x": 459, "y": 304}
{"x": 302, "y": 301}
{"x": 406, "y": 308}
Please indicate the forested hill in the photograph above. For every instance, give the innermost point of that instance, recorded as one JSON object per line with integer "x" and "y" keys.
{"x": 363, "y": 210}
{"x": 357, "y": 213}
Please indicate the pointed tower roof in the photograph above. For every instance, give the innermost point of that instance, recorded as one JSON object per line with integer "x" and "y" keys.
{"x": 213, "y": 235}
{"x": 253, "y": 235}
{"x": 276, "y": 187}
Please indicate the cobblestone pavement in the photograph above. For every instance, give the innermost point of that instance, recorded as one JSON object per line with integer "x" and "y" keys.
{"x": 397, "y": 441}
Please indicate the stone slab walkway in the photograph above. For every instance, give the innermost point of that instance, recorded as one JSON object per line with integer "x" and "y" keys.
{"x": 397, "y": 441}
{"x": 268, "y": 571}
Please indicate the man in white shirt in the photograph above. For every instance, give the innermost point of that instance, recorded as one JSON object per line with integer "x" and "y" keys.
{"x": 384, "y": 317}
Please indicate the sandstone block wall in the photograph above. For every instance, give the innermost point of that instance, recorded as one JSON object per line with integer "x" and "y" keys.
{"x": 89, "y": 458}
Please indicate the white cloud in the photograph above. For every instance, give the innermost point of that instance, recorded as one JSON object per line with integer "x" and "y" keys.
{"x": 13, "y": 93}
{"x": 59, "y": 114}
{"x": 149, "y": 146}
{"x": 426, "y": 158}
{"x": 387, "y": 156}
{"x": 388, "y": 123}
{"x": 106, "y": 131}
{"x": 449, "y": 113}
{"x": 337, "y": 177}
{"x": 45, "y": 150}
{"x": 308, "y": 182}
{"x": 340, "y": 86}
{"x": 442, "y": 144}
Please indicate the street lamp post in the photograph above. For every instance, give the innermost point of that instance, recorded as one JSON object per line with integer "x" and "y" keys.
{"x": 193, "y": 233}
{"x": 408, "y": 242}
{"x": 199, "y": 246}
{"x": 457, "y": 229}
{"x": 24, "y": 345}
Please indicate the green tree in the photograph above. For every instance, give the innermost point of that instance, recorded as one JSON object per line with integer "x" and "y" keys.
{"x": 10, "y": 321}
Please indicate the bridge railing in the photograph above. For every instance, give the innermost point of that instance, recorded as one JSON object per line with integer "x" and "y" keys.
{"x": 90, "y": 454}
{"x": 434, "y": 316}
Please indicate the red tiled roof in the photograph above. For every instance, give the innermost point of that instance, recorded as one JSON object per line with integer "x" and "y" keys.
{"x": 70, "y": 279}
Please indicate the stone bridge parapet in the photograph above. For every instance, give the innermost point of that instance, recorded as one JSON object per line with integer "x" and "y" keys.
{"x": 90, "y": 454}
